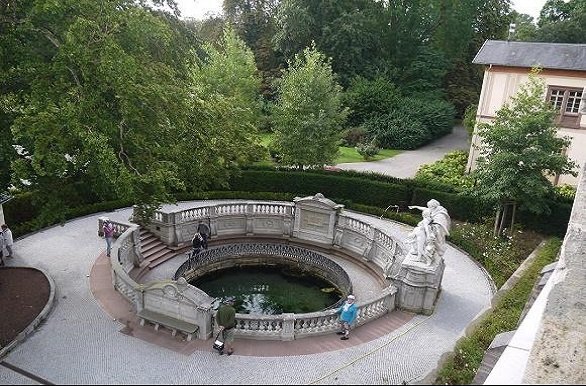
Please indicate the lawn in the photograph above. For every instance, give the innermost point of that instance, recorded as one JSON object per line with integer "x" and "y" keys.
{"x": 346, "y": 154}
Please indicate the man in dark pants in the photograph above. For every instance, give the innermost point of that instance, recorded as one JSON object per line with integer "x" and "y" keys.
{"x": 226, "y": 319}
{"x": 196, "y": 244}
{"x": 204, "y": 231}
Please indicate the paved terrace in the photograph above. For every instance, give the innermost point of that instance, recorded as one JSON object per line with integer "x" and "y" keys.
{"x": 81, "y": 343}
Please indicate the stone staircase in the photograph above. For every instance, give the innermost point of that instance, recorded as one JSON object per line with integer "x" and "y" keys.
{"x": 154, "y": 251}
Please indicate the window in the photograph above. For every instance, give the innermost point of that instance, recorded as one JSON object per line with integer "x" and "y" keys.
{"x": 573, "y": 103}
{"x": 567, "y": 102}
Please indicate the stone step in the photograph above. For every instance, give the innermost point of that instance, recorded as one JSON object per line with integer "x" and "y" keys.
{"x": 148, "y": 237}
{"x": 157, "y": 254}
{"x": 152, "y": 249}
{"x": 161, "y": 259}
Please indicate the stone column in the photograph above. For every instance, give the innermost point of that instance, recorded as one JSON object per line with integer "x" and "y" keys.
{"x": 288, "y": 332}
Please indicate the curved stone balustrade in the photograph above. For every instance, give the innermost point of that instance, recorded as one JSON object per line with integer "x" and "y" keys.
{"x": 308, "y": 221}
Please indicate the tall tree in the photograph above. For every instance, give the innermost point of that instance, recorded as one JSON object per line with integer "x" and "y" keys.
{"x": 225, "y": 100}
{"x": 254, "y": 22}
{"x": 562, "y": 22}
{"x": 490, "y": 20}
{"x": 308, "y": 113}
{"x": 351, "y": 32}
{"x": 519, "y": 149}
{"x": 103, "y": 97}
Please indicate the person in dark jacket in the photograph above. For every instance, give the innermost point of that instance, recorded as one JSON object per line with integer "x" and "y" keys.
{"x": 226, "y": 319}
{"x": 196, "y": 244}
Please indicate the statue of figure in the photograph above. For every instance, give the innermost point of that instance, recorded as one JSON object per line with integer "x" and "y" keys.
{"x": 422, "y": 239}
{"x": 439, "y": 223}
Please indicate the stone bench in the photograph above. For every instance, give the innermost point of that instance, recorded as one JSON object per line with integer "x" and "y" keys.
{"x": 163, "y": 320}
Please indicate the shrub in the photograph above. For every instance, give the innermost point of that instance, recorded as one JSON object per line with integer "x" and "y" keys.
{"x": 565, "y": 193}
{"x": 450, "y": 170}
{"x": 436, "y": 115}
{"x": 397, "y": 131}
{"x": 367, "y": 150}
{"x": 369, "y": 98}
{"x": 353, "y": 136}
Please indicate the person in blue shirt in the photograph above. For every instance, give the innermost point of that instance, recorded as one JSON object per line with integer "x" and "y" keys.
{"x": 348, "y": 313}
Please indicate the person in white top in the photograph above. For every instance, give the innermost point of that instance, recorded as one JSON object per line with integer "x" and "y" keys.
{"x": 7, "y": 238}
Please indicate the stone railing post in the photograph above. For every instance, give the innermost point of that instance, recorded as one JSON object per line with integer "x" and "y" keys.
{"x": 138, "y": 257}
{"x": 288, "y": 332}
{"x": 249, "y": 219}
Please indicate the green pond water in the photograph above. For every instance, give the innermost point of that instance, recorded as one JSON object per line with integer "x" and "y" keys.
{"x": 269, "y": 290}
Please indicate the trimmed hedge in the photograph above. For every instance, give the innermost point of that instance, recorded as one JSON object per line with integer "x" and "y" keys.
{"x": 378, "y": 190}
{"x": 305, "y": 183}
{"x": 459, "y": 206}
{"x": 348, "y": 188}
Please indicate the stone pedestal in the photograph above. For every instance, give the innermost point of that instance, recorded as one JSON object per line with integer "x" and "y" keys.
{"x": 418, "y": 285}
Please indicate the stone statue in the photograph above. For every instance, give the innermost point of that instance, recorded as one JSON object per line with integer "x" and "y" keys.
{"x": 428, "y": 239}
{"x": 422, "y": 239}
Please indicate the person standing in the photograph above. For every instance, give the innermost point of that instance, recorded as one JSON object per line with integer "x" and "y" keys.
{"x": 204, "y": 231}
{"x": 348, "y": 313}
{"x": 108, "y": 229}
{"x": 1, "y": 248}
{"x": 226, "y": 319}
{"x": 197, "y": 243}
{"x": 7, "y": 236}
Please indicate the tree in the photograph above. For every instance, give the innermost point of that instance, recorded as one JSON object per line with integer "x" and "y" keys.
{"x": 562, "y": 22}
{"x": 254, "y": 22}
{"x": 352, "y": 32}
{"x": 490, "y": 20}
{"x": 525, "y": 27}
{"x": 225, "y": 100}
{"x": 519, "y": 150}
{"x": 308, "y": 113}
{"x": 101, "y": 101}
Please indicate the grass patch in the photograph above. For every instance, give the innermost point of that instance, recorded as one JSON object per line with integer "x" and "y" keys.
{"x": 504, "y": 317}
{"x": 349, "y": 154}
{"x": 345, "y": 154}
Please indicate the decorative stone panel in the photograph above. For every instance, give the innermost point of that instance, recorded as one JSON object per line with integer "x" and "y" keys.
{"x": 315, "y": 219}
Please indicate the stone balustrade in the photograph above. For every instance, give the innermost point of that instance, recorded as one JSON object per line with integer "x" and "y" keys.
{"x": 310, "y": 220}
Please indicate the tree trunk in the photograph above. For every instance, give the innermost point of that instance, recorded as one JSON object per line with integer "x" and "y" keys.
{"x": 496, "y": 221}
{"x": 503, "y": 219}
{"x": 514, "y": 203}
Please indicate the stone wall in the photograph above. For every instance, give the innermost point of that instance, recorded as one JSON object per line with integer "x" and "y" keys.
{"x": 558, "y": 355}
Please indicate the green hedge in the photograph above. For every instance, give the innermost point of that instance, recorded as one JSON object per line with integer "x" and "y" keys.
{"x": 32, "y": 224}
{"x": 349, "y": 188}
{"x": 359, "y": 190}
{"x": 556, "y": 223}
{"x": 459, "y": 206}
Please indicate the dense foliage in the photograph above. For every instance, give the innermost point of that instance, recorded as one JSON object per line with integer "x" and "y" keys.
{"x": 308, "y": 114}
{"x": 450, "y": 170}
{"x": 107, "y": 100}
{"x": 560, "y": 21}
